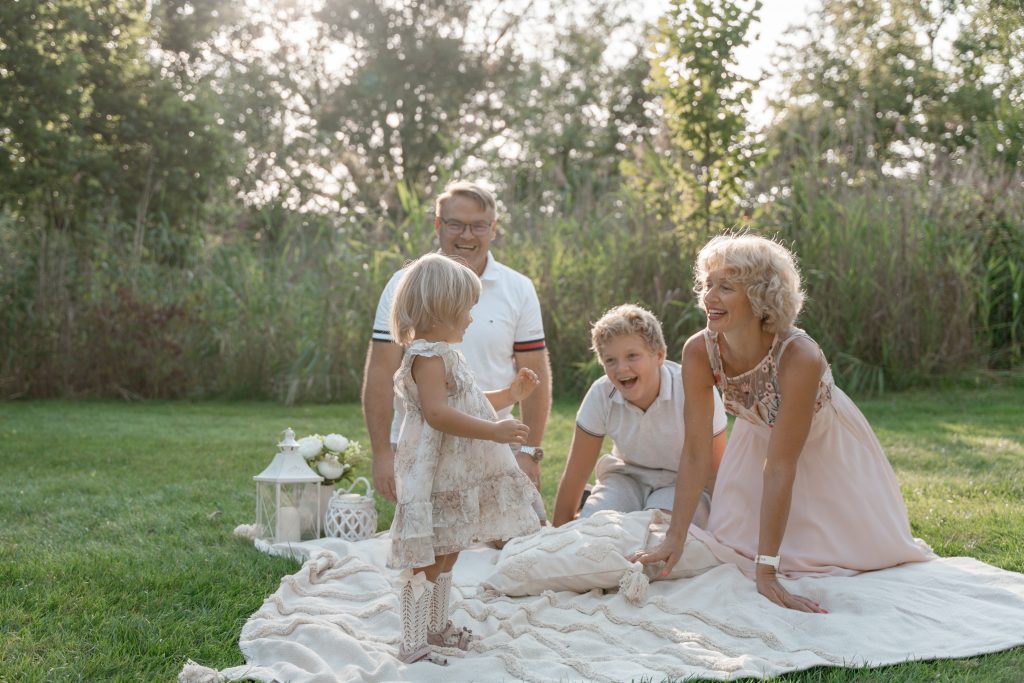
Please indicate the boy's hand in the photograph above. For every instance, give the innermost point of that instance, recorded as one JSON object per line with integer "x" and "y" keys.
{"x": 510, "y": 431}
{"x": 523, "y": 385}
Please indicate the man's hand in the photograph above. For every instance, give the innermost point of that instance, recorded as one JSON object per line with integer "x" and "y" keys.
{"x": 384, "y": 475}
{"x": 530, "y": 468}
{"x": 382, "y": 359}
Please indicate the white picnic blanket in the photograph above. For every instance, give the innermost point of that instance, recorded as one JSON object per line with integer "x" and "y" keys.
{"x": 336, "y": 619}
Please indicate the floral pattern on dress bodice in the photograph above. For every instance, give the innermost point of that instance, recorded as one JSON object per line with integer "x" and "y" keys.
{"x": 458, "y": 377}
{"x": 754, "y": 395}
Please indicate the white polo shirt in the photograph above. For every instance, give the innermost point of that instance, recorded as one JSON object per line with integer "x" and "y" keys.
{"x": 651, "y": 438}
{"x": 506, "y": 320}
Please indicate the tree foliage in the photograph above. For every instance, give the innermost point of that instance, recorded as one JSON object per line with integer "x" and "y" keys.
{"x": 95, "y": 135}
{"x": 233, "y": 181}
{"x": 895, "y": 94}
{"x": 578, "y": 110}
{"x": 424, "y": 90}
{"x": 707, "y": 153}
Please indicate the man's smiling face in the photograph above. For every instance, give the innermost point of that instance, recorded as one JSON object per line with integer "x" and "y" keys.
{"x": 467, "y": 243}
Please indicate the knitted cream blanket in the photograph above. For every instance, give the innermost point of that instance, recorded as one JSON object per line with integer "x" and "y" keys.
{"x": 336, "y": 619}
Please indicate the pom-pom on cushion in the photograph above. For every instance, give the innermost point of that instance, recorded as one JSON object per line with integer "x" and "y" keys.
{"x": 589, "y": 553}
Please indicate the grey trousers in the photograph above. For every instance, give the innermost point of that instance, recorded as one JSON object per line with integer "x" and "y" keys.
{"x": 628, "y": 488}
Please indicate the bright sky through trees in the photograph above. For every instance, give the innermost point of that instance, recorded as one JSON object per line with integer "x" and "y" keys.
{"x": 775, "y": 21}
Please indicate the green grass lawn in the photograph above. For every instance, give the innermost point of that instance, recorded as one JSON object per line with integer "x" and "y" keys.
{"x": 117, "y": 559}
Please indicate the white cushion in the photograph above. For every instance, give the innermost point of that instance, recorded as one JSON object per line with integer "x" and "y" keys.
{"x": 589, "y": 553}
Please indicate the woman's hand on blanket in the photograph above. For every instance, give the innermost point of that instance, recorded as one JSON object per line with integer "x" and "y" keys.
{"x": 523, "y": 385}
{"x": 510, "y": 431}
{"x": 668, "y": 551}
{"x": 768, "y": 585}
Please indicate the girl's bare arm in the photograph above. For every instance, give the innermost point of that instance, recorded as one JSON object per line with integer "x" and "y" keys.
{"x": 429, "y": 374}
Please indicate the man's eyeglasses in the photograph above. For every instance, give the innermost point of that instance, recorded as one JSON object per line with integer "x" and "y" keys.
{"x": 457, "y": 227}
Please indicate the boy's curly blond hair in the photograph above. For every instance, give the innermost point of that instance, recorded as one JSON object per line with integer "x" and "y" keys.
{"x": 627, "y": 319}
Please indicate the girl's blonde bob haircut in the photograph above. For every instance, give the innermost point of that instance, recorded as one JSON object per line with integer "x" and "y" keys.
{"x": 625, "y": 320}
{"x": 765, "y": 268}
{"x": 434, "y": 290}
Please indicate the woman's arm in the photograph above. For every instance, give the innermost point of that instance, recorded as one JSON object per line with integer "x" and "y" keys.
{"x": 583, "y": 456}
{"x": 800, "y": 371}
{"x": 429, "y": 375}
{"x": 717, "y": 452}
{"x": 697, "y": 460}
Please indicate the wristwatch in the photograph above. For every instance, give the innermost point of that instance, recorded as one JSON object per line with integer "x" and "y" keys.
{"x": 535, "y": 452}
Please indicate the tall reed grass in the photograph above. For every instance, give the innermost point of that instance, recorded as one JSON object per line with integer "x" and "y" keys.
{"x": 908, "y": 279}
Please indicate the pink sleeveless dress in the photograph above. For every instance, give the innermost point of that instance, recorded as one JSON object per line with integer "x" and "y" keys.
{"x": 847, "y": 514}
{"x": 453, "y": 492}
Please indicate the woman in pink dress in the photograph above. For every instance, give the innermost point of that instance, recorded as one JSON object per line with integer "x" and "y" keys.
{"x": 804, "y": 488}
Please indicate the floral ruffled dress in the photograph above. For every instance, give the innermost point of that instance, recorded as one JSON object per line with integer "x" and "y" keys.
{"x": 452, "y": 491}
{"x": 847, "y": 513}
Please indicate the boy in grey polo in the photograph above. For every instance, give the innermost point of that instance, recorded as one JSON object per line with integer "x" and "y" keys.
{"x": 639, "y": 404}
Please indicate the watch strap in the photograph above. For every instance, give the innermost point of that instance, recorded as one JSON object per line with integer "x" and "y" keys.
{"x": 536, "y": 453}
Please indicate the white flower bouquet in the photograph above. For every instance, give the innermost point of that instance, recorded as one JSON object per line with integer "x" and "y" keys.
{"x": 333, "y": 457}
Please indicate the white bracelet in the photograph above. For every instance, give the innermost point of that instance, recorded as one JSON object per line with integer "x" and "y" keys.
{"x": 770, "y": 560}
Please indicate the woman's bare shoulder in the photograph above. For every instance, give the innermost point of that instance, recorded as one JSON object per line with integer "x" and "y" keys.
{"x": 802, "y": 358}
{"x": 696, "y": 361}
{"x": 695, "y": 349}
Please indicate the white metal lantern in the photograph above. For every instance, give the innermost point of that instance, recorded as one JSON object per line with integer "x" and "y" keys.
{"x": 288, "y": 496}
{"x": 351, "y": 516}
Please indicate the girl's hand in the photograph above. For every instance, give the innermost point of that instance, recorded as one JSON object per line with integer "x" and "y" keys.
{"x": 510, "y": 431}
{"x": 768, "y": 585}
{"x": 523, "y": 385}
{"x": 668, "y": 551}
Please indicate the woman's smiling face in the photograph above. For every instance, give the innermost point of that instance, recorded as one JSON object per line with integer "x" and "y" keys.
{"x": 725, "y": 301}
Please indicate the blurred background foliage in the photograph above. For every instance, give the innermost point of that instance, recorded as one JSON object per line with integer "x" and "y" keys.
{"x": 205, "y": 197}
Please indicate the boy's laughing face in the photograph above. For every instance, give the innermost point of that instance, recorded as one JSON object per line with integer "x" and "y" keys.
{"x": 634, "y": 368}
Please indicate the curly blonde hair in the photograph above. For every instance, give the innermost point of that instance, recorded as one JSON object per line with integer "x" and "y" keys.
{"x": 765, "y": 268}
{"x": 434, "y": 290}
{"x": 627, "y": 319}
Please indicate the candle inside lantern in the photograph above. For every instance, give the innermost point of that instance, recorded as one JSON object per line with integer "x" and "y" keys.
{"x": 288, "y": 528}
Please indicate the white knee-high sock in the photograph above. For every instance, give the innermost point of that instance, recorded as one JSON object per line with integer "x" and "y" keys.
{"x": 415, "y": 595}
{"x": 440, "y": 603}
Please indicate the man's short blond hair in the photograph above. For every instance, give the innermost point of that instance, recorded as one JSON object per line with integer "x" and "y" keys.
{"x": 465, "y": 188}
{"x": 765, "y": 268}
{"x": 434, "y": 290}
{"x": 625, "y": 320}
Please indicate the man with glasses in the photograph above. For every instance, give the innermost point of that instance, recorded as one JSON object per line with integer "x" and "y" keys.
{"x": 506, "y": 334}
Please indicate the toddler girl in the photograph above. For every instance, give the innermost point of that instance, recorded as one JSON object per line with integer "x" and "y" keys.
{"x": 456, "y": 478}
